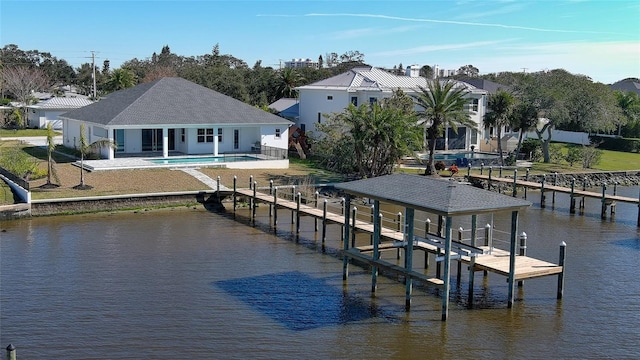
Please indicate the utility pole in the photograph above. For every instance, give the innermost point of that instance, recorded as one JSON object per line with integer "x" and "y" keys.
{"x": 93, "y": 65}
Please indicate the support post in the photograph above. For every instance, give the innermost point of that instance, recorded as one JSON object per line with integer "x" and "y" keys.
{"x": 555, "y": 183}
{"x": 293, "y": 198}
{"x": 298, "y": 200}
{"x": 459, "y": 274}
{"x": 275, "y": 206}
{"x": 515, "y": 182}
{"x": 354, "y": 213}
{"x": 398, "y": 229}
{"x": 345, "y": 238}
{"x": 542, "y": 197}
{"x": 582, "y": 200}
{"x": 324, "y": 221}
{"x": 270, "y": 193}
{"x": 500, "y": 173}
{"x": 603, "y": 200}
{"x": 447, "y": 267}
{"x": 472, "y": 260}
{"x": 523, "y": 251}
{"x": 427, "y": 231}
{"x": 315, "y": 204}
{"x": 218, "y": 188}
{"x": 235, "y": 198}
{"x": 563, "y": 253}
{"x": 489, "y": 182}
{"x": 377, "y": 217}
{"x": 254, "y": 202}
{"x": 409, "y": 217}
{"x": 512, "y": 257}
{"x": 11, "y": 352}
{"x": 572, "y": 203}
{"x": 250, "y": 185}
{"x": 481, "y": 168}
{"x": 526, "y": 178}
{"x": 468, "y": 171}
{"x": 342, "y": 211}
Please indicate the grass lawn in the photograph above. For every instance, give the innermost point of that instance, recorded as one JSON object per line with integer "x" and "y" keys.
{"x": 25, "y": 132}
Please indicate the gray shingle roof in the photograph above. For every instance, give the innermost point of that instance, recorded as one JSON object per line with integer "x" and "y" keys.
{"x": 172, "y": 101}
{"x": 436, "y": 196}
{"x": 627, "y": 85}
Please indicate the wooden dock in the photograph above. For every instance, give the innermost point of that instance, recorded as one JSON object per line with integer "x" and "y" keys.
{"x": 606, "y": 200}
{"x": 478, "y": 258}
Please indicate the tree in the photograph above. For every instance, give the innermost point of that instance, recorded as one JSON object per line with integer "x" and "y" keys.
{"x": 524, "y": 117}
{"x": 288, "y": 80}
{"x": 331, "y": 59}
{"x": 21, "y": 81}
{"x": 121, "y": 79}
{"x": 51, "y": 147}
{"x": 320, "y": 62}
{"x": 427, "y": 72}
{"x": 498, "y": 111}
{"x": 443, "y": 106}
{"x": 370, "y": 139}
{"x": 629, "y": 104}
{"x": 85, "y": 148}
{"x": 468, "y": 70}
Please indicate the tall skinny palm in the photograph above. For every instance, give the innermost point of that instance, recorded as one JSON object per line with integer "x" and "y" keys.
{"x": 523, "y": 118}
{"x": 51, "y": 147}
{"x": 499, "y": 107}
{"x": 443, "y": 105}
{"x": 85, "y": 148}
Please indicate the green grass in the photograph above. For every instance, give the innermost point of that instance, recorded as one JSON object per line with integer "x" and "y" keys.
{"x": 25, "y": 132}
{"x": 6, "y": 196}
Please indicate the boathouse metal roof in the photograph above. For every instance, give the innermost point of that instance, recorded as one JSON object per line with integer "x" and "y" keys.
{"x": 438, "y": 196}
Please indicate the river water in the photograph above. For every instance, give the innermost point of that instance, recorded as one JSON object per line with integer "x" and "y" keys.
{"x": 191, "y": 284}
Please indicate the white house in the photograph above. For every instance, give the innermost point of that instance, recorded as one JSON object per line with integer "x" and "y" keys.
{"x": 174, "y": 115}
{"x": 364, "y": 85}
{"x": 40, "y": 114}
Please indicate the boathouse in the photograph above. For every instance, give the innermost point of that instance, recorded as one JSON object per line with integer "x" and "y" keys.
{"x": 445, "y": 199}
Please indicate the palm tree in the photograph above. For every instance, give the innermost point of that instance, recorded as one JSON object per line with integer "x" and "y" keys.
{"x": 51, "y": 147}
{"x": 499, "y": 107}
{"x": 85, "y": 148}
{"x": 523, "y": 118}
{"x": 443, "y": 105}
{"x": 288, "y": 80}
{"x": 121, "y": 79}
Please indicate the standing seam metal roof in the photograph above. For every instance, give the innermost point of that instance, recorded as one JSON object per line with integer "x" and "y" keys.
{"x": 437, "y": 196}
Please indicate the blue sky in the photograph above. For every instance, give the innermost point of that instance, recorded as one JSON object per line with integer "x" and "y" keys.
{"x": 600, "y": 39}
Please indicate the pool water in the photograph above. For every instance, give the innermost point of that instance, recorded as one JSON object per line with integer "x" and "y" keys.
{"x": 203, "y": 159}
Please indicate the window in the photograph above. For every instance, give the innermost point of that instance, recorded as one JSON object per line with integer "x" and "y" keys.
{"x": 329, "y": 97}
{"x": 236, "y": 138}
{"x": 319, "y": 117}
{"x": 373, "y": 100}
{"x": 475, "y": 104}
{"x": 219, "y": 135}
{"x": 354, "y": 100}
{"x": 118, "y": 134}
{"x": 182, "y": 134}
{"x": 205, "y": 135}
{"x": 303, "y": 127}
{"x": 277, "y": 133}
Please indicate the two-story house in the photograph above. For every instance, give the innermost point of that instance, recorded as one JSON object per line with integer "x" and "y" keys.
{"x": 366, "y": 85}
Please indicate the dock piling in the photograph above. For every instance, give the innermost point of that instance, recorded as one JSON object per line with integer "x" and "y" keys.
{"x": 218, "y": 188}
{"x": 293, "y": 198}
{"x": 298, "y": 200}
{"x": 603, "y": 210}
{"x": 523, "y": 251}
{"x": 315, "y": 204}
{"x": 275, "y": 206}
{"x": 398, "y": 229}
{"x": 572, "y": 203}
{"x": 354, "y": 213}
{"x": 515, "y": 182}
{"x": 526, "y": 178}
{"x": 324, "y": 221}
{"x": 254, "y": 203}
{"x": 11, "y": 352}
{"x": 489, "y": 182}
{"x": 459, "y": 274}
{"x": 235, "y": 199}
{"x": 270, "y": 193}
{"x": 563, "y": 253}
{"x": 542, "y": 197}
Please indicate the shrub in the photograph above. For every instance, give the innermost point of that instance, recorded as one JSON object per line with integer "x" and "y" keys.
{"x": 591, "y": 156}
{"x": 531, "y": 147}
{"x": 574, "y": 154}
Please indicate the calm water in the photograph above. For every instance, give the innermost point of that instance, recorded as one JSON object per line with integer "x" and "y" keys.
{"x": 197, "y": 285}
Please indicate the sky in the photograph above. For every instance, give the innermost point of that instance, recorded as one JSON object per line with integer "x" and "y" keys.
{"x": 599, "y": 39}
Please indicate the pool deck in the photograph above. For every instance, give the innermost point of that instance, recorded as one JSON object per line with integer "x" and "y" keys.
{"x": 138, "y": 162}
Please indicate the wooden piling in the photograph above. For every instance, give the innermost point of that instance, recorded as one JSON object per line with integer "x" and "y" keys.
{"x": 561, "y": 260}
{"x": 427, "y": 230}
{"x": 398, "y": 229}
{"x": 11, "y": 352}
{"x": 345, "y": 239}
{"x": 572, "y": 203}
{"x": 270, "y": 193}
{"x": 254, "y": 203}
{"x": 459, "y": 274}
{"x": 542, "y": 198}
{"x": 293, "y": 198}
{"x": 515, "y": 182}
{"x": 275, "y": 206}
{"x": 354, "y": 213}
{"x": 603, "y": 208}
{"x": 512, "y": 258}
{"x": 315, "y": 204}
{"x": 447, "y": 268}
{"x": 555, "y": 183}
{"x": 324, "y": 221}
{"x": 523, "y": 251}
{"x": 235, "y": 199}
{"x": 408, "y": 253}
{"x": 377, "y": 230}
{"x": 218, "y": 188}
{"x": 298, "y": 200}
{"x": 526, "y": 178}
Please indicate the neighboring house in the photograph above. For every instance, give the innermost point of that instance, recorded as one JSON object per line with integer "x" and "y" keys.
{"x": 288, "y": 108}
{"x": 40, "y": 114}
{"x": 627, "y": 85}
{"x": 490, "y": 86}
{"x": 366, "y": 85}
{"x": 301, "y": 63}
{"x": 175, "y": 115}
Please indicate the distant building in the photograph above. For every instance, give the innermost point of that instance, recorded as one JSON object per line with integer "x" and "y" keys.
{"x": 627, "y": 85}
{"x": 301, "y": 63}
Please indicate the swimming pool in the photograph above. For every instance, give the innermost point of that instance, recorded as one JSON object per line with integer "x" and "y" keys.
{"x": 202, "y": 159}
